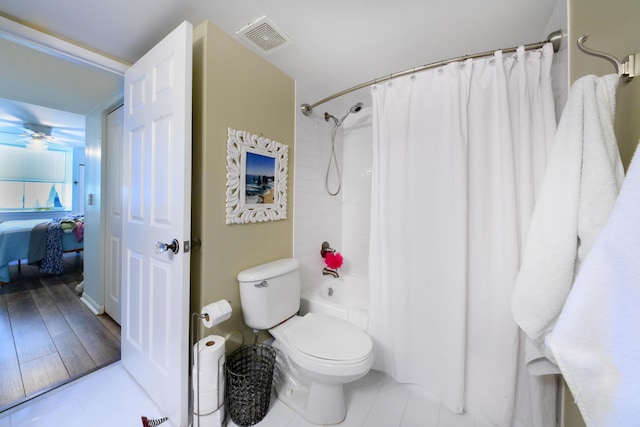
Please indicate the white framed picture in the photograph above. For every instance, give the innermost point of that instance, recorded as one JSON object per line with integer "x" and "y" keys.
{"x": 256, "y": 178}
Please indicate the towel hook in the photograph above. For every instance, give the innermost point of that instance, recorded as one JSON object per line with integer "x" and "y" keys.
{"x": 628, "y": 68}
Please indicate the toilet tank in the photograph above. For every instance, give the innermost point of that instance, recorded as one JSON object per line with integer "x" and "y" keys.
{"x": 270, "y": 293}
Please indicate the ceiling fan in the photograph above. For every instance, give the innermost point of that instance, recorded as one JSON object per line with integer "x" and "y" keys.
{"x": 34, "y": 136}
{"x": 40, "y": 136}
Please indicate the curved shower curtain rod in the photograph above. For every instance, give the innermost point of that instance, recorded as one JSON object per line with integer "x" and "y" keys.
{"x": 553, "y": 38}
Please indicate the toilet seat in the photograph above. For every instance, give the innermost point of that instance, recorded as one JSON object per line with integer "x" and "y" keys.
{"x": 329, "y": 338}
{"x": 329, "y": 369}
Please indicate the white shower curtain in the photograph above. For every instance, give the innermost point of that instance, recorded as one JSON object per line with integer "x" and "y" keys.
{"x": 459, "y": 152}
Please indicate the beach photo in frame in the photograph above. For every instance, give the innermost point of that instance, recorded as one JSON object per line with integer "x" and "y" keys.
{"x": 256, "y": 178}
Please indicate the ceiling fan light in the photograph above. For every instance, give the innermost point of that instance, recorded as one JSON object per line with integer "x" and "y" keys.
{"x": 37, "y": 144}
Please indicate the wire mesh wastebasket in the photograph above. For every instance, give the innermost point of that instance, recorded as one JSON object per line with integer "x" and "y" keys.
{"x": 249, "y": 378}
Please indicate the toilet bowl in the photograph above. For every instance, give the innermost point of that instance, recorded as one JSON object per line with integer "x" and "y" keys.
{"x": 318, "y": 355}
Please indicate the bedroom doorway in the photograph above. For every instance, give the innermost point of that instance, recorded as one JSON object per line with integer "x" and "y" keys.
{"x": 47, "y": 309}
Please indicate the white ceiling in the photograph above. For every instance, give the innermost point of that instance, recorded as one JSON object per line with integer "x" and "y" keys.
{"x": 44, "y": 89}
{"x": 336, "y": 43}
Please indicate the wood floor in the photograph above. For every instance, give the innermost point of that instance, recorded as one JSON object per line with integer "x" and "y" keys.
{"x": 47, "y": 335}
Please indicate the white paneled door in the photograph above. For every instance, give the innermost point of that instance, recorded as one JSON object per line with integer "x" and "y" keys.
{"x": 157, "y": 209}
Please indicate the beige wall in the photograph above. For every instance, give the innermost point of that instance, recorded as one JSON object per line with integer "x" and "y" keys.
{"x": 233, "y": 87}
{"x": 613, "y": 28}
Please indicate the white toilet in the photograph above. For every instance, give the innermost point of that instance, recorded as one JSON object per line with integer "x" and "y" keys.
{"x": 318, "y": 353}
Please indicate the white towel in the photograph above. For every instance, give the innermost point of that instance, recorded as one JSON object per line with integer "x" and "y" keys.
{"x": 579, "y": 188}
{"x": 596, "y": 341}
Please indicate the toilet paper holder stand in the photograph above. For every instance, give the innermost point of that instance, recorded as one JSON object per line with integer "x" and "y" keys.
{"x": 194, "y": 327}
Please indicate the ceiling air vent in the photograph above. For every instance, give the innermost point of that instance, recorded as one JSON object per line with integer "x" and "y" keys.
{"x": 262, "y": 33}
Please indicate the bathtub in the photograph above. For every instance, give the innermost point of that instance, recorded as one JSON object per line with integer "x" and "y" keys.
{"x": 345, "y": 297}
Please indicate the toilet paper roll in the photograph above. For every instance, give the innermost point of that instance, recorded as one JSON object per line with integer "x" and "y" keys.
{"x": 212, "y": 420}
{"x": 208, "y": 381}
{"x": 208, "y": 402}
{"x": 215, "y": 313}
{"x": 207, "y": 352}
{"x": 208, "y": 374}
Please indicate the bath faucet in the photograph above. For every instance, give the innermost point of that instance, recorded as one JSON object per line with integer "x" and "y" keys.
{"x": 329, "y": 272}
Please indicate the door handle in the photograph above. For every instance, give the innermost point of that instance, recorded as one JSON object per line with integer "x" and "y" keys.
{"x": 174, "y": 246}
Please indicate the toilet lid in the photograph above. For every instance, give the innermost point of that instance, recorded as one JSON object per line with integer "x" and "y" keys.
{"x": 329, "y": 338}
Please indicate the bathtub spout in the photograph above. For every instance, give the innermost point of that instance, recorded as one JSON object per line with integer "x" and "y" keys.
{"x": 329, "y": 272}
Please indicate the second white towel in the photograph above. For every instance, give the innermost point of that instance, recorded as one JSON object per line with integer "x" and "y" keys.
{"x": 579, "y": 189}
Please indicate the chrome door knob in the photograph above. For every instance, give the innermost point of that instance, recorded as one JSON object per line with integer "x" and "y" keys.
{"x": 174, "y": 246}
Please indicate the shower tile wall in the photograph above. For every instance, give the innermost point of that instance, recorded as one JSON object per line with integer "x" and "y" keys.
{"x": 317, "y": 216}
{"x": 342, "y": 220}
{"x": 356, "y": 198}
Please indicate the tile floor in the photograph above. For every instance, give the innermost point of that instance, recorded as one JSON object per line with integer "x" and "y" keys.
{"x": 377, "y": 401}
{"x": 106, "y": 398}
{"x": 110, "y": 398}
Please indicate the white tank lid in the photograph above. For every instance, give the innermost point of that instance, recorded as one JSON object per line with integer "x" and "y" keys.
{"x": 329, "y": 338}
{"x": 269, "y": 270}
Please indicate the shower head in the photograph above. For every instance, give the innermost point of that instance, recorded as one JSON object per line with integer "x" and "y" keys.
{"x": 354, "y": 109}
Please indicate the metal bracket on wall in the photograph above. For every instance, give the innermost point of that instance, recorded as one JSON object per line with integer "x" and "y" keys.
{"x": 628, "y": 68}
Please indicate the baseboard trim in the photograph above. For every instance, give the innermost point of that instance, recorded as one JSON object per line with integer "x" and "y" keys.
{"x": 93, "y": 306}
